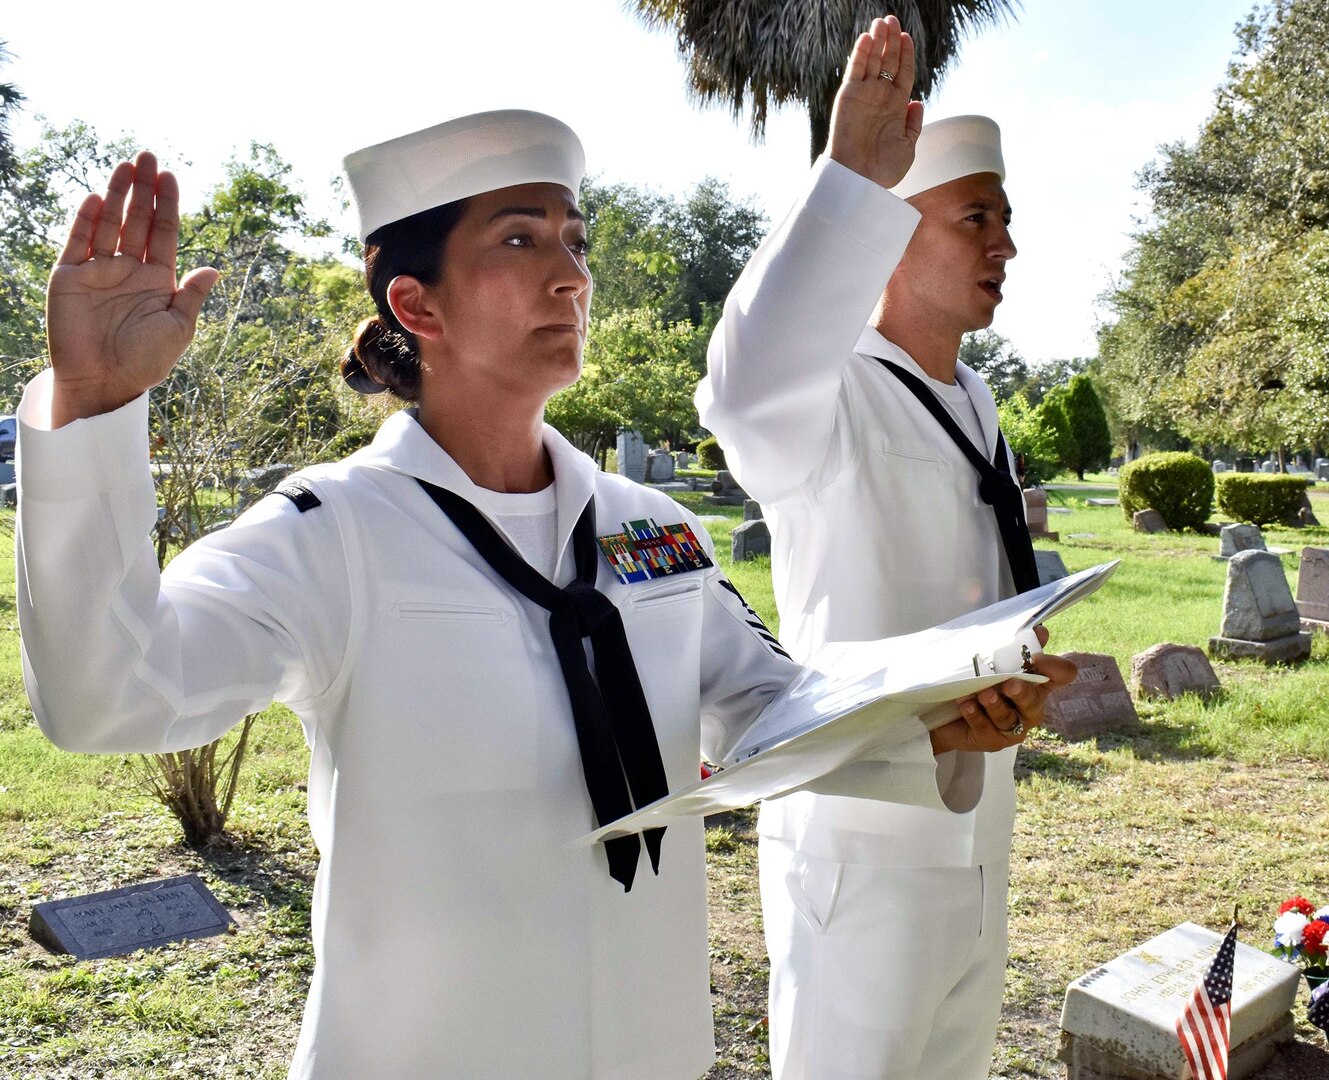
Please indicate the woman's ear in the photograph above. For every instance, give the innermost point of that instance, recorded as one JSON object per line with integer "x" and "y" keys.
{"x": 414, "y": 307}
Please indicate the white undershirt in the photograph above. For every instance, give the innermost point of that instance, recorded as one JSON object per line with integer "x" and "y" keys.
{"x": 530, "y": 520}
{"x": 957, "y": 401}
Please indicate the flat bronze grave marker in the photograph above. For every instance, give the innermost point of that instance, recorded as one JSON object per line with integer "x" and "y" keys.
{"x": 120, "y": 921}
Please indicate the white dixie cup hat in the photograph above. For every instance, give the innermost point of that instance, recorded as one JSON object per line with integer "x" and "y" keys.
{"x": 949, "y": 149}
{"x": 459, "y": 158}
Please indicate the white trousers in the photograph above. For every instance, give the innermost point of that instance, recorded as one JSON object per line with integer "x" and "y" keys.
{"x": 882, "y": 973}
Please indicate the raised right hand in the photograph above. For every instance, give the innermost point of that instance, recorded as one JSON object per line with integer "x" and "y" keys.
{"x": 116, "y": 321}
{"x": 874, "y": 124}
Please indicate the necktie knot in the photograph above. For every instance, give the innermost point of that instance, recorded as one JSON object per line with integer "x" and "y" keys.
{"x": 593, "y": 607}
{"x": 997, "y": 489}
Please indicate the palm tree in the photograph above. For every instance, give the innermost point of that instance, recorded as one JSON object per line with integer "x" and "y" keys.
{"x": 10, "y": 100}
{"x": 763, "y": 52}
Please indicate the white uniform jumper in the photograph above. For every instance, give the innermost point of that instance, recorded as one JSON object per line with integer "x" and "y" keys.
{"x": 457, "y": 933}
{"x": 891, "y": 916}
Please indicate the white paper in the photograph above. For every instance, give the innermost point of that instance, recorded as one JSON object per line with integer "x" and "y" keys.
{"x": 856, "y": 698}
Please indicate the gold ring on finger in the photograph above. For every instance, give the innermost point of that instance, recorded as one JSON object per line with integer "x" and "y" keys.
{"x": 886, "y": 75}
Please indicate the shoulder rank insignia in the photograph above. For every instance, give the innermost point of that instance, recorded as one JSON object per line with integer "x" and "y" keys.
{"x": 644, "y": 550}
{"x": 301, "y": 494}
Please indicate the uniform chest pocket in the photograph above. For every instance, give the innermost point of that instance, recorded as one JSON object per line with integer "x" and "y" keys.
{"x": 679, "y": 592}
{"x": 459, "y": 710}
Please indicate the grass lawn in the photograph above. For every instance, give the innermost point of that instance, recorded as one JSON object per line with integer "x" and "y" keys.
{"x": 1117, "y": 839}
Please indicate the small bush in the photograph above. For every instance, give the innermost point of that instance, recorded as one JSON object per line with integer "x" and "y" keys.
{"x": 1260, "y": 500}
{"x": 1179, "y": 486}
{"x": 710, "y": 454}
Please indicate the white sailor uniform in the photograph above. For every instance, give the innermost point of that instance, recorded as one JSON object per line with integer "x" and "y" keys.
{"x": 445, "y": 772}
{"x": 885, "y": 919}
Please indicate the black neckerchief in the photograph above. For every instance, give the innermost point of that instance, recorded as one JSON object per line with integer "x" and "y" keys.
{"x": 620, "y": 756}
{"x": 996, "y": 486}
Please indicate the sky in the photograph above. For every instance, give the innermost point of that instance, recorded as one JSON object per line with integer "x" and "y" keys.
{"x": 1085, "y": 91}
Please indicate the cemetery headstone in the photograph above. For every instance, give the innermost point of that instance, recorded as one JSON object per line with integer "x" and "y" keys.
{"x": 1118, "y": 1021}
{"x": 1269, "y": 467}
{"x": 1235, "y": 538}
{"x": 1305, "y": 516}
{"x": 750, "y": 539}
{"x": 1245, "y": 464}
{"x": 120, "y": 921}
{"x": 752, "y": 510}
{"x": 1260, "y": 618}
{"x": 1220, "y": 466}
{"x": 1102, "y": 502}
{"x": 1096, "y": 702}
{"x": 1036, "y": 514}
{"x": 659, "y": 466}
{"x": 1322, "y": 468}
{"x": 1050, "y": 566}
{"x": 682, "y": 459}
{"x": 631, "y": 451}
{"x": 9, "y": 495}
{"x": 1313, "y": 589}
{"x": 725, "y": 490}
{"x": 1148, "y": 521}
{"x": 7, "y": 473}
{"x": 1168, "y": 671}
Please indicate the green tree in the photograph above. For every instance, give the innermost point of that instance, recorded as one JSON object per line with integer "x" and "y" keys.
{"x": 1217, "y": 330}
{"x": 754, "y": 54}
{"x": 11, "y": 100}
{"x": 1091, "y": 441}
{"x": 1028, "y": 437}
{"x": 995, "y": 359}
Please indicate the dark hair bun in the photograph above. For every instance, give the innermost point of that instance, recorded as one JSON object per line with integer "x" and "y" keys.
{"x": 381, "y": 359}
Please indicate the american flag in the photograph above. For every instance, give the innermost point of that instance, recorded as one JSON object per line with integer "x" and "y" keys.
{"x": 1204, "y": 1026}
{"x": 1318, "y": 1012}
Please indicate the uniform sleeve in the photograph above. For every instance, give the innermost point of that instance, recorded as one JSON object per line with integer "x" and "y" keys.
{"x": 120, "y": 658}
{"x": 777, "y": 358}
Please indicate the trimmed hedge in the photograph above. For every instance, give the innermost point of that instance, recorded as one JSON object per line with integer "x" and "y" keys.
{"x": 1259, "y": 499}
{"x": 1178, "y": 485}
{"x": 710, "y": 454}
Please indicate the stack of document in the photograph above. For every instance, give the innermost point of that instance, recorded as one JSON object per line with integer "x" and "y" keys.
{"x": 857, "y": 698}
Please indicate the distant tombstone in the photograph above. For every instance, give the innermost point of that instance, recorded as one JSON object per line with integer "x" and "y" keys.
{"x": 120, "y": 921}
{"x": 1269, "y": 467}
{"x": 1313, "y": 589}
{"x": 682, "y": 459}
{"x": 1245, "y": 464}
{"x": 659, "y": 466}
{"x": 1220, "y": 466}
{"x": 1096, "y": 702}
{"x": 1260, "y": 619}
{"x": 1102, "y": 502}
{"x": 631, "y": 456}
{"x": 7, "y": 473}
{"x": 1050, "y": 566}
{"x": 1168, "y": 671}
{"x": 752, "y": 510}
{"x": 1119, "y": 1020}
{"x": 750, "y": 539}
{"x": 725, "y": 490}
{"x": 9, "y": 495}
{"x": 1036, "y": 514}
{"x": 1148, "y": 521}
{"x": 1322, "y": 468}
{"x": 1235, "y": 538}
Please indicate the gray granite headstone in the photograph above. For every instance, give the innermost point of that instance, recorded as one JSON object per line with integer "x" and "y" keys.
{"x": 1235, "y": 538}
{"x": 7, "y": 473}
{"x": 659, "y": 466}
{"x": 750, "y": 539}
{"x": 1102, "y": 502}
{"x": 1220, "y": 466}
{"x": 1322, "y": 468}
{"x": 1260, "y": 618}
{"x": 120, "y": 921}
{"x": 1118, "y": 1021}
{"x": 725, "y": 490}
{"x": 1269, "y": 467}
{"x": 631, "y": 452}
{"x": 1313, "y": 588}
{"x": 682, "y": 459}
{"x": 8, "y": 495}
{"x": 752, "y": 510}
{"x": 1148, "y": 521}
{"x": 1168, "y": 671}
{"x": 1050, "y": 566}
{"x": 1096, "y": 702}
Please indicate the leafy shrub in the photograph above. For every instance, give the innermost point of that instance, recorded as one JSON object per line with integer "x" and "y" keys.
{"x": 1260, "y": 500}
{"x": 710, "y": 454}
{"x": 1178, "y": 485}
